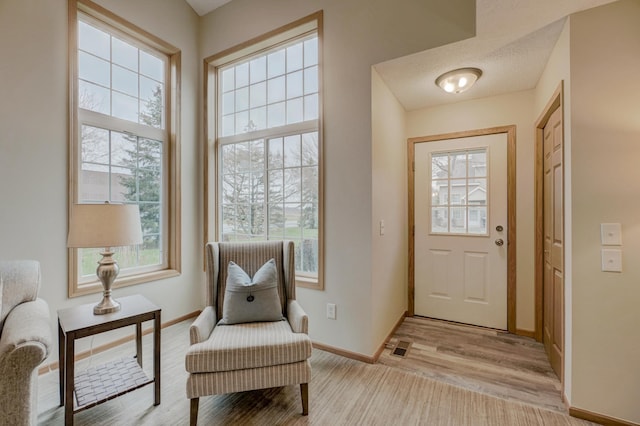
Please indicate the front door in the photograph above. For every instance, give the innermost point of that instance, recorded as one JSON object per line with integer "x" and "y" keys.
{"x": 460, "y": 236}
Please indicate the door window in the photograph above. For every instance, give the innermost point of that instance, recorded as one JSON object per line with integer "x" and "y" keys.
{"x": 459, "y": 195}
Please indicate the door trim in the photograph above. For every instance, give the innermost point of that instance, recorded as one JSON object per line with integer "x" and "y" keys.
{"x": 511, "y": 211}
{"x": 556, "y": 101}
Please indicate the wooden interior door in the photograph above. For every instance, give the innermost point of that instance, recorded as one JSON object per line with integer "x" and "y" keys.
{"x": 553, "y": 201}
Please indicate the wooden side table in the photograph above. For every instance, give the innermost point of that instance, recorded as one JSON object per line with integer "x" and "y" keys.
{"x": 99, "y": 384}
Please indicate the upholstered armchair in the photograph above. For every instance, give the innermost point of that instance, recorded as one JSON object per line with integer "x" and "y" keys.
{"x": 246, "y": 355}
{"x": 25, "y": 340}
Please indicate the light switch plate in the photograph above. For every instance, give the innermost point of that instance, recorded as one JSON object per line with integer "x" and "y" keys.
{"x": 611, "y": 234}
{"x": 611, "y": 260}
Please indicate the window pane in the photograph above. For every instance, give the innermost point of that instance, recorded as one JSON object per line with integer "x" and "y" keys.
{"x": 258, "y": 69}
{"x": 93, "y": 40}
{"x": 311, "y": 107}
{"x": 458, "y": 220}
{"x": 276, "y": 115}
{"x": 276, "y": 221}
{"x": 120, "y": 192}
{"x": 95, "y": 145}
{"x": 258, "y": 95}
{"x": 276, "y": 186}
{"x": 124, "y": 54}
{"x": 478, "y": 163}
{"x": 310, "y": 185}
{"x": 124, "y": 80}
{"x": 292, "y": 151}
{"x": 242, "y": 99}
{"x": 150, "y": 218}
{"x": 276, "y": 154}
{"x": 123, "y": 150}
{"x": 311, "y": 80}
{"x": 292, "y": 217}
{"x": 152, "y": 109}
{"x": 294, "y": 85}
{"x": 310, "y": 149}
{"x": 439, "y": 219}
{"x": 151, "y": 66}
{"x": 458, "y": 164}
{"x": 150, "y": 89}
{"x": 242, "y": 122}
{"x": 311, "y": 52}
{"x": 310, "y": 220}
{"x": 228, "y": 125}
{"x": 93, "y": 97}
{"x": 242, "y": 160}
{"x": 228, "y": 82}
{"x": 439, "y": 193}
{"x": 276, "y": 63}
{"x": 228, "y": 220}
{"x": 294, "y": 57}
{"x": 228, "y": 188}
{"x": 292, "y": 182}
{"x": 308, "y": 255}
{"x": 242, "y": 75}
{"x": 439, "y": 166}
{"x": 94, "y": 183}
{"x": 228, "y": 103}
{"x": 294, "y": 111}
{"x": 477, "y": 192}
{"x": 149, "y": 154}
{"x": 150, "y": 253}
{"x": 258, "y": 118}
{"x": 257, "y": 156}
{"x": 276, "y": 90}
{"x": 458, "y": 194}
{"x": 477, "y": 220}
{"x": 93, "y": 69}
{"x": 125, "y": 107}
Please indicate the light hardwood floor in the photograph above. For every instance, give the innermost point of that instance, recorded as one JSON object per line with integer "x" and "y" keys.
{"x": 493, "y": 362}
{"x": 342, "y": 392}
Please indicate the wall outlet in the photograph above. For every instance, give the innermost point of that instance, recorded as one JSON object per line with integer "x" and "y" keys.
{"x": 331, "y": 311}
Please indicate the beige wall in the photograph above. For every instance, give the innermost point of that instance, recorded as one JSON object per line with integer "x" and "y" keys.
{"x": 605, "y": 153}
{"x": 389, "y": 199}
{"x": 514, "y": 108}
{"x": 33, "y": 146}
{"x": 357, "y": 34}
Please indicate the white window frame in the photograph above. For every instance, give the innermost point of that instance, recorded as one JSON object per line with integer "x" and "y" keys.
{"x": 170, "y": 265}
{"x": 282, "y": 36}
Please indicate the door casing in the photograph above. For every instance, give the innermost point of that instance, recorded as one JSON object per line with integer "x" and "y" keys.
{"x": 511, "y": 211}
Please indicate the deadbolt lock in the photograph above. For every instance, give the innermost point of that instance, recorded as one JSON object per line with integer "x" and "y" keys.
{"x": 499, "y": 228}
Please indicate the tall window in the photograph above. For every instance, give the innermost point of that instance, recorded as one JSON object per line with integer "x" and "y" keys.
{"x": 268, "y": 146}
{"x": 122, "y": 150}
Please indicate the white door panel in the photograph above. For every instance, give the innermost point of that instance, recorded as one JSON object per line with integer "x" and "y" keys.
{"x": 460, "y": 272}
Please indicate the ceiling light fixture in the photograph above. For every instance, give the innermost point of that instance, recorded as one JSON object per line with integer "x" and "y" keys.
{"x": 457, "y": 81}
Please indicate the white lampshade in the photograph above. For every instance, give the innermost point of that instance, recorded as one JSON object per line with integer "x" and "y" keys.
{"x": 457, "y": 81}
{"x": 104, "y": 225}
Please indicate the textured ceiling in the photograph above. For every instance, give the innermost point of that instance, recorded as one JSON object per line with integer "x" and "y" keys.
{"x": 513, "y": 41}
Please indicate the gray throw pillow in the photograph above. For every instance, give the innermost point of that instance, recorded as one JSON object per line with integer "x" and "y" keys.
{"x": 251, "y": 300}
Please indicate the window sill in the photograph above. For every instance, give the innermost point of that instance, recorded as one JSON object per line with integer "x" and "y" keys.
{"x": 311, "y": 283}
{"x": 94, "y": 287}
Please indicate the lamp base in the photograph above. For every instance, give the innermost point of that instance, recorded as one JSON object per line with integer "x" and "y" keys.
{"x": 106, "y": 306}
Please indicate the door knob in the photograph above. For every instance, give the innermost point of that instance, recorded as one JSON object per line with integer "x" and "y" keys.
{"x": 499, "y": 242}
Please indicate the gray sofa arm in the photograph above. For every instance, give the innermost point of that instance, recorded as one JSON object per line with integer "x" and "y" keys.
{"x": 298, "y": 319}
{"x": 202, "y": 327}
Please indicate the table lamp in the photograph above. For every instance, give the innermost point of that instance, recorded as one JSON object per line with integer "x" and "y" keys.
{"x": 105, "y": 226}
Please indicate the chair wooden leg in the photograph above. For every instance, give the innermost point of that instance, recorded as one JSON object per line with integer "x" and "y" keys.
{"x": 304, "y": 393}
{"x": 193, "y": 416}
